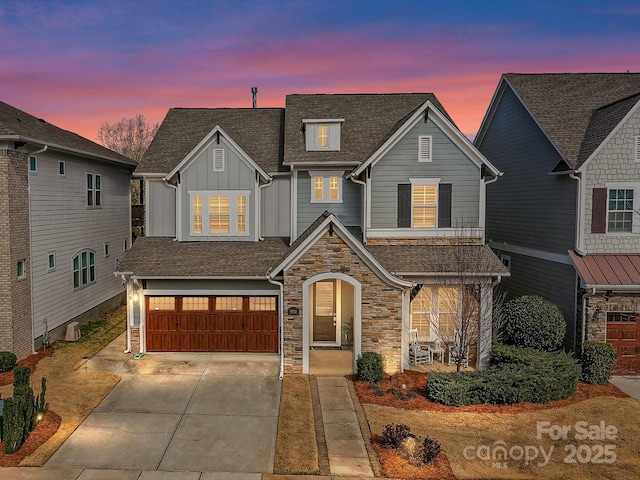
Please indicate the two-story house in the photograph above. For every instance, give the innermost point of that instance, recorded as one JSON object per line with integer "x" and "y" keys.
{"x": 64, "y": 224}
{"x": 565, "y": 219}
{"x": 337, "y": 223}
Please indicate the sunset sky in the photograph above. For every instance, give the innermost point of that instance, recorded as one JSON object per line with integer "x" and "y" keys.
{"x": 80, "y": 63}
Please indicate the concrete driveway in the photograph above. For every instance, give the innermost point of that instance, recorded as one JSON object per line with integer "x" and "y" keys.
{"x": 175, "y": 412}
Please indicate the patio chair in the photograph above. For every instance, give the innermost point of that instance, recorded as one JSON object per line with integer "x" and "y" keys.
{"x": 437, "y": 349}
{"x": 417, "y": 352}
{"x": 455, "y": 350}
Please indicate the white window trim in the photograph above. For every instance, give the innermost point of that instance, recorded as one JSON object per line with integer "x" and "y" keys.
{"x": 233, "y": 212}
{"x": 421, "y": 182}
{"x": 64, "y": 168}
{"x": 635, "y": 221}
{"x": 35, "y": 170}
{"x": 49, "y": 253}
{"x": 218, "y": 153}
{"x": 93, "y": 190}
{"x": 425, "y": 156}
{"x": 326, "y": 186}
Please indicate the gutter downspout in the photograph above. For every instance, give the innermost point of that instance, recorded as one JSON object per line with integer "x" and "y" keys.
{"x": 259, "y": 212}
{"x": 33, "y": 340}
{"x": 175, "y": 187}
{"x": 126, "y": 281}
{"x": 281, "y": 321}
{"x": 579, "y": 249}
{"x": 353, "y": 178}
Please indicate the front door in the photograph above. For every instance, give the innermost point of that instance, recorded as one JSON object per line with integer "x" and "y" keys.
{"x": 325, "y": 326}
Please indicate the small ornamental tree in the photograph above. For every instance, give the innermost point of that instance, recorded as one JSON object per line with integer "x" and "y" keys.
{"x": 534, "y": 322}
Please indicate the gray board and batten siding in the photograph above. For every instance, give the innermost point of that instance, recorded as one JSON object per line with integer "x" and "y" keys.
{"x": 63, "y": 224}
{"x": 275, "y": 206}
{"x": 527, "y": 206}
{"x": 349, "y": 211}
{"x": 449, "y": 164}
{"x": 161, "y": 217}
{"x": 199, "y": 175}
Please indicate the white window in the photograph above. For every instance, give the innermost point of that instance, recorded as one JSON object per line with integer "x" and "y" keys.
{"x": 51, "y": 261}
{"x": 94, "y": 190}
{"x": 424, "y": 148}
{"x": 107, "y": 248}
{"x": 33, "y": 164}
{"x": 62, "y": 169}
{"x": 218, "y": 159}
{"x": 219, "y": 213}
{"x": 84, "y": 268}
{"x": 434, "y": 312}
{"x": 326, "y": 187}
{"x": 620, "y": 210}
{"x": 21, "y": 273}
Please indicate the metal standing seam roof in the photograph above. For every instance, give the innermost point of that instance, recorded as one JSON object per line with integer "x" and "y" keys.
{"x": 622, "y": 270}
{"x": 20, "y": 126}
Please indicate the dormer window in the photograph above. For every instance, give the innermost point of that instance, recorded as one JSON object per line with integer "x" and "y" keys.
{"x": 322, "y": 134}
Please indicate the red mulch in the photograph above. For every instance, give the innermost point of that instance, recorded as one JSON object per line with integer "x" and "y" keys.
{"x": 6, "y": 378}
{"x": 416, "y": 382}
{"x": 43, "y": 432}
{"x": 394, "y": 466}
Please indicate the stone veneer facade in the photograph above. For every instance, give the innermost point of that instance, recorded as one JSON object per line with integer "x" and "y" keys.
{"x": 381, "y": 309}
{"x": 15, "y": 293}
{"x": 597, "y": 308}
{"x": 432, "y": 241}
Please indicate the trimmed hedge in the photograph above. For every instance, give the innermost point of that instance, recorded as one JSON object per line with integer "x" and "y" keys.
{"x": 370, "y": 367}
{"x": 597, "y": 361}
{"x": 534, "y": 322}
{"x": 7, "y": 361}
{"x": 515, "y": 375}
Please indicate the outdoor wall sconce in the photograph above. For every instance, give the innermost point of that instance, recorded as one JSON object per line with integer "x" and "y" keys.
{"x": 135, "y": 298}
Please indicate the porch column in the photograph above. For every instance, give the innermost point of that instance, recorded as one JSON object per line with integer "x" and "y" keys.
{"x": 485, "y": 333}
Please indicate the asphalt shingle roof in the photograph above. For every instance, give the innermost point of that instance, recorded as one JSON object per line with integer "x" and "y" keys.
{"x": 570, "y": 107}
{"x": 258, "y": 132}
{"x": 21, "y": 126}
{"x": 370, "y": 119}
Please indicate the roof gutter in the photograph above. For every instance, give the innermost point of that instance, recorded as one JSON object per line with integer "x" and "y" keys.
{"x": 614, "y": 288}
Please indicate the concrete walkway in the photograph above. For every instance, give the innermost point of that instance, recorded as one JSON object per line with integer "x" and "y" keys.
{"x": 629, "y": 385}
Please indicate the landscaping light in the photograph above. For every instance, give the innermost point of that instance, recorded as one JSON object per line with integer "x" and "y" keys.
{"x": 39, "y": 417}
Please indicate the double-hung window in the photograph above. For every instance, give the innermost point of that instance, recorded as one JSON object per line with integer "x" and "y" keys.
{"x": 326, "y": 187}
{"x": 219, "y": 213}
{"x": 424, "y": 203}
{"x": 84, "y": 268}
{"x": 620, "y": 210}
{"x": 94, "y": 190}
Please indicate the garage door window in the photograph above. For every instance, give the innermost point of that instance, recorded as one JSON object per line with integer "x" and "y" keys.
{"x": 191, "y": 304}
{"x": 262, "y": 304}
{"x": 621, "y": 316}
{"x": 162, "y": 303}
{"x": 229, "y": 303}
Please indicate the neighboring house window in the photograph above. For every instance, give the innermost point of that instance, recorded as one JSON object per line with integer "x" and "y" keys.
{"x": 218, "y": 159}
{"x": 107, "y": 247}
{"x": 20, "y": 269}
{"x": 84, "y": 269}
{"x": 33, "y": 164}
{"x": 326, "y": 187}
{"x": 506, "y": 261}
{"x": 425, "y": 203}
{"x": 94, "y": 190}
{"x": 125, "y": 244}
{"x": 61, "y": 169}
{"x": 434, "y": 312}
{"x": 620, "y": 211}
{"x": 219, "y": 213}
{"x": 424, "y": 148}
{"x": 51, "y": 261}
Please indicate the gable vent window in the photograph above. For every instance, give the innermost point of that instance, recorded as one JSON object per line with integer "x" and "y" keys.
{"x": 424, "y": 148}
{"x": 218, "y": 159}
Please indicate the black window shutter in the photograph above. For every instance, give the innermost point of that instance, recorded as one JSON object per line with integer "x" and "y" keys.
{"x": 599, "y": 211}
{"x": 404, "y": 205}
{"x": 444, "y": 205}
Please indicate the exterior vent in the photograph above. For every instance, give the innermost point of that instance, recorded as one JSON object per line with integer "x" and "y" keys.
{"x": 218, "y": 159}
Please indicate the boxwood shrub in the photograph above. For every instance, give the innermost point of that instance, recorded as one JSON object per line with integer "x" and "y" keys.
{"x": 597, "y": 361}
{"x": 534, "y": 322}
{"x": 370, "y": 367}
{"x": 7, "y": 361}
{"x": 515, "y": 375}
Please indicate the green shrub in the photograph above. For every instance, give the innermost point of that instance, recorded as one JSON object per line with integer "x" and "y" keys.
{"x": 370, "y": 367}
{"x": 534, "y": 322}
{"x": 515, "y": 375}
{"x": 393, "y": 434}
{"x": 597, "y": 361}
{"x": 7, "y": 361}
{"x": 21, "y": 376}
{"x": 13, "y": 424}
{"x": 41, "y": 405}
{"x": 20, "y": 411}
{"x": 431, "y": 449}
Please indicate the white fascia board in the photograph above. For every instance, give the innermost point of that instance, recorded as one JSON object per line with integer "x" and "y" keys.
{"x": 195, "y": 277}
{"x": 349, "y": 240}
{"x": 150, "y": 175}
{"x": 205, "y": 141}
{"x": 323, "y": 120}
{"x": 595, "y": 153}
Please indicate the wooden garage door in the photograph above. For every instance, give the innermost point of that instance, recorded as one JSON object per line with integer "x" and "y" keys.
{"x": 623, "y": 332}
{"x": 212, "y": 324}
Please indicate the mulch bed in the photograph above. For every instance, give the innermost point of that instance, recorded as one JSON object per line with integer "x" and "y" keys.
{"x": 6, "y": 378}
{"x": 43, "y": 432}
{"x": 394, "y": 466}
{"x": 416, "y": 382}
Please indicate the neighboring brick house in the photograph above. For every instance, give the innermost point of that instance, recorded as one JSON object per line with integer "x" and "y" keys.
{"x": 565, "y": 218}
{"x": 336, "y": 223}
{"x": 64, "y": 223}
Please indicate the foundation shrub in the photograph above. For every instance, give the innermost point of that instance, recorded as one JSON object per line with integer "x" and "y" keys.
{"x": 534, "y": 322}
{"x": 19, "y": 412}
{"x": 597, "y": 361}
{"x": 370, "y": 367}
{"x": 7, "y": 361}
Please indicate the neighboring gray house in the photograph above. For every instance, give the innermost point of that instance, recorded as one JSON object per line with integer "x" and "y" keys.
{"x": 64, "y": 224}
{"x": 338, "y": 223}
{"x": 565, "y": 217}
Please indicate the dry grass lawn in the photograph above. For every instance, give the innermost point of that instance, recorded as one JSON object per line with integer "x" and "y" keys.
{"x": 296, "y": 446}
{"x": 73, "y": 393}
{"x": 458, "y": 430}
